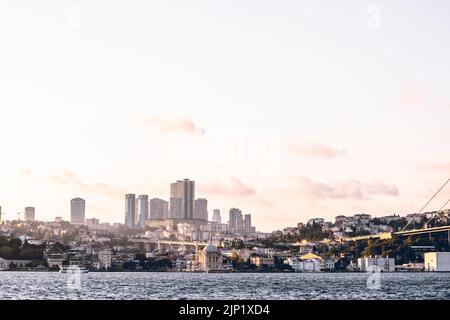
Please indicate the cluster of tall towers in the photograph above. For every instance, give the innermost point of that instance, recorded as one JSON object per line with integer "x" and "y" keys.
{"x": 182, "y": 205}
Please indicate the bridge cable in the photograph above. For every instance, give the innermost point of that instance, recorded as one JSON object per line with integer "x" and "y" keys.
{"x": 434, "y": 216}
{"x": 420, "y": 211}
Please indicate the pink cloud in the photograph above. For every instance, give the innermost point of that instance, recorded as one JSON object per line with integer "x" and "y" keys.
{"x": 69, "y": 178}
{"x": 313, "y": 150}
{"x": 26, "y": 172}
{"x": 411, "y": 96}
{"x": 436, "y": 166}
{"x": 232, "y": 187}
{"x": 175, "y": 125}
{"x": 349, "y": 189}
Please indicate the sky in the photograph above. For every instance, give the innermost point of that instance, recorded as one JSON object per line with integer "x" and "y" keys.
{"x": 288, "y": 110}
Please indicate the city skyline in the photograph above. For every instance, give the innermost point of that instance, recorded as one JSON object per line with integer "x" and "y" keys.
{"x": 135, "y": 216}
{"x": 287, "y": 112}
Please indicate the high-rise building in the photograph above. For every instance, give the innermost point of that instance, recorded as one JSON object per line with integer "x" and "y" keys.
{"x": 77, "y": 210}
{"x": 0, "y": 213}
{"x": 158, "y": 209}
{"x": 201, "y": 209}
{"x": 248, "y": 223}
{"x": 142, "y": 210}
{"x": 216, "y": 216}
{"x": 130, "y": 210}
{"x": 176, "y": 208}
{"x": 165, "y": 209}
{"x": 235, "y": 220}
{"x": 29, "y": 213}
{"x": 184, "y": 190}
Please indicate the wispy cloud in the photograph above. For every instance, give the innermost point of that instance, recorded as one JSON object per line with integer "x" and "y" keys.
{"x": 349, "y": 189}
{"x": 313, "y": 150}
{"x": 411, "y": 96}
{"x": 174, "y": 125}
{"x": 443, "y": 166}
{"x": 69, "y": 178}
{"x": 230, "y": 187}
{"x": 26, "y": 172}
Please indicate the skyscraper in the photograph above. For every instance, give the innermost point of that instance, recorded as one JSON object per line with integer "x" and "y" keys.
{"x": 201, "y": 209}
{"x": 29, "y": 213}
{"x": 235, "y": 220}
{"x": 77, "y": 211}
{"x": 248, "y": 223}
{"x": 130, "y": 210}
{"x": 184, "y": 190}
{"x": 216, "y": 216}
{"x": 142, "y": 210}
{"x": 176, "y": 208}
{"x": 0, "y": 213}
{"x": 158, "y": 209}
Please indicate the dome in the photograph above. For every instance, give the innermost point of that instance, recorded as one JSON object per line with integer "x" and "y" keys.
{"x": 210, "y": 248}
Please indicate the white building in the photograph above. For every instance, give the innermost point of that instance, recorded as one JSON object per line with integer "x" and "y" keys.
{"x": 105, "y": 259}
{"x": 8, "y": 264}
{"x": 296, "y": 264}
{"x": 385, "y": 264}
{"x": 311, "y": 262}
{"x": 437, "y": 261}
{"x": 210, "y": 258}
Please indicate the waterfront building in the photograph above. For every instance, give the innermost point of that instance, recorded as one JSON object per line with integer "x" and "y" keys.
{"x": 384, "y": 263}
{"x": 210, "y": 258}
{"x": 55, "y": 261}
{"x": 216, "y": 216}
{"x": 130, "y": 210}
{"x": 105, "y": 259}
{"x": 29, "y": 214}
{"x": 296, "y": 264}
{"x": 327, "y": 264}
{"x": 311, "y": 262}
{"x": 201, "y": 209}
{"x": 184, "y": 190}
{"x": 142, "y": 210}
{"x": 77, "y": 211}
{"x": 437, "y": 261}
{"x": 13, "y": 264}
{"x": 259, "y": 261}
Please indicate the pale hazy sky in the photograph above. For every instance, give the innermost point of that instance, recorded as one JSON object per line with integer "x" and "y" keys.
{"x": 285, "y": 109}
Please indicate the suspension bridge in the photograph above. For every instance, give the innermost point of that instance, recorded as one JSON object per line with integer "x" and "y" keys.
{"x": 425, "y": 229}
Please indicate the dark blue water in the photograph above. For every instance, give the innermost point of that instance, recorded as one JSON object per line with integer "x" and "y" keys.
{"x": 44, "y": 285}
